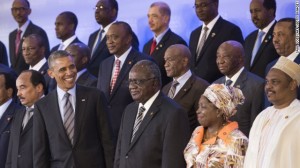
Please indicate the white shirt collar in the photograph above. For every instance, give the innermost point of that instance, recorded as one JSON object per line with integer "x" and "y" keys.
{"x": 149, "y": 103}
{"x": 159, "y": 37}
{"x": 80, "y": 73}
{"x": 211, "y": 24}
{"x": 123, "y": 57}
{"x": 292, "y": 56}
{"x": 4, "y": 106}
{"x": 61, "y": 93}
{"x": 39, "y": 65}
{"x": 266, "y": 29}
{"x": 106, "y": 28}
{"x": 182, "y": 80}
{"x": 67, "y": 42}
{"x": 235, "y": 76}
{"x": 24, "y": 27}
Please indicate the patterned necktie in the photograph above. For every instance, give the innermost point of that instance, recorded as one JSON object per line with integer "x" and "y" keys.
{"x": 153, "y": 45}
{"x": 69, "y": 117}
{"x": 18, "y": 41}
{"x": 116, "y": 74}
{"x": 172, "y": 90}
{"x": 257, "y": 45}
{"x": 201, "y": 43}
{"x": 27, "y": 116}
{"x": 228, "y": 82}
{"x": 138, "y": 121}
{"x": 98, "y": 41}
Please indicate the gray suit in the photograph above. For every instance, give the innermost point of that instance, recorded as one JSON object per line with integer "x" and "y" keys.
{"x": 252, "y": 87}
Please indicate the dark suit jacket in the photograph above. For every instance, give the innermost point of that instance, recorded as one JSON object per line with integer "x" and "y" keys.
{"x": 87, "y": 79}
{"x": 265, "y": 54}
{"x": 55, "y": 48}
{"x": 120, "y": 97}
{"x": 188, "y": 97}
{"x": 252, "y": 87}
{"x": 20, "y": 143}
{"x": 206, "y": 66}
{"x": 168, "y": 39}
{"x": 5, "y": 124}
{"x": 18, "y": 62}
{"x": 160, "y": 139}
{"x": 92, "y": 146}
{"x": 102, "y": 52}
{"x": 3, "y": 54}
{"x": 269, "y": 66}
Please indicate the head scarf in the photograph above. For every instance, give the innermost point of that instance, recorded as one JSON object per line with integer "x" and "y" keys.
{"x": 225, "y": 98}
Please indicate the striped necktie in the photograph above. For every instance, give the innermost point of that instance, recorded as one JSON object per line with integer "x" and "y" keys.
{"x": 69, "y": 117}
{"x": 138, "y": 121}
{"x": 172, "y": 90}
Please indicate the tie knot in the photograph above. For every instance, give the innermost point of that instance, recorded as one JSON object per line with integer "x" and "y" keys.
{"x": 142, "y": 109}
{"x": 205, "y": 28}
{"x": 261, "y": 33}
{"x": 117, "y": 62}
{"x": 19, "y": 31}
{"x": 67, "y": 95}
{"x": 29, "y": 110}
{"x": 228, "y": 82}
{"x": 175, "y": 83}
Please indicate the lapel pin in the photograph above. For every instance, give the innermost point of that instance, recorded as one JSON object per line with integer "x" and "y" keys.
{"x": 83, "y": 100}
{"x": 129, "y": 62}
{"x": 213, "y": 34}
{"x": 151, "y": 114}
{"x": 8, "y": 119}
{"x": 160, "y": 45}
{"x": 184, "y": 90}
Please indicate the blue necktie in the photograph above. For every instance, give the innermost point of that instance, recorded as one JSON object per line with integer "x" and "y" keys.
{"x": 257, "y": 45}
{"x": 97, "y": 43}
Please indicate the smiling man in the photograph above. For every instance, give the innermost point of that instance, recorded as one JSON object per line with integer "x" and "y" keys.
{"x": 71, "y": 127}
{"x": 154, "y": 129}
{"x": 274, "y": 137}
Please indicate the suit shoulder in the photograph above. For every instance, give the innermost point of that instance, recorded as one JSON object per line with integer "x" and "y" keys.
{"x": 228, "y": 24}
{"x": 201, "y": 81}
{"x": 177, "y": 39}
{"x": 255, "y": 78}
{"x": 197, "y": 30}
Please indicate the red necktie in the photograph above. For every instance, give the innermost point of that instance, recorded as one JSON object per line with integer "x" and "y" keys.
{"x": 116, "y": 74}
{"x": 153, "y": 45}
{"x": 18, "y": 41}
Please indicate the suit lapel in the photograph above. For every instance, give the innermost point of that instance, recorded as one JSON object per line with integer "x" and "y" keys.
{"x": 240, "y": 82}
{"x": 28, "y": 126}
{"x": 6, "y": 117}
{"x": 297, "y": 59}
{"x": 107, "y": 78}
{"x": 99, "y": 48}
{"x": 162, "y": 42}
{"x": 154, "y": 109}
{"x": 186, "y": 87}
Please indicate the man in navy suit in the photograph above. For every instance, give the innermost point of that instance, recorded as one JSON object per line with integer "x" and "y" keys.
{"x": 159, "y": 16}
{"x": 115, "y": 88}
{"x": 31, "y": 87}
{"x": 3, "y": 54}
{"x": 71, "y": 127}
{"x": 8, "y": 108}
{"x": 263, "y": 17}
{"x": 205, "y": 40}
{"x": 230, "y": 61}
{"x": 82, "y": 54}
{"x": 20, "y": 11}
{"x": 106, "y": 12}
{"x": 65, "y": 27}
{"x": 190, "y": 87}
{"x": 154, "y": 129}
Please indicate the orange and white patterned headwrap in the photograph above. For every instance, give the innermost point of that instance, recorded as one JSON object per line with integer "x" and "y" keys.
{"x": 225, "y": 98}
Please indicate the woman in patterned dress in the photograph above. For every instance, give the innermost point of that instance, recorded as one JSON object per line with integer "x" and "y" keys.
{"x": 217, "y": 143}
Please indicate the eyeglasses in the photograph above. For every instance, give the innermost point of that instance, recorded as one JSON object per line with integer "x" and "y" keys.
{"x": 138, "y": 82}
{"x": 100, "y": 7}
{"x": 202, "y": 5}
{"x": 21, "y": 9}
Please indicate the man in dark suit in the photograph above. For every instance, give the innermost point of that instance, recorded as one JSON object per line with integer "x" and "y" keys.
{"x": 106, "y": 12}
{"x": 81, "y": 54}
{"x": 186, "y": 87}
{"x": 3, "y": 54}
{"x": 8, "y": 108}
{"x": 159, "y": 15}
{"x": 20, "y": 11}
{"x": 205, "y": 40}
{"x": 31, "y": 87}
{"x": 71, "y": 127}
{"x": 230, "y": 61}
{"x": 285, "y": 45}
{"x": 115, "y": 87}
{"x": 259, "y": 49}
{"x": 154, "y": 129}
{"x": 65, "y": 27}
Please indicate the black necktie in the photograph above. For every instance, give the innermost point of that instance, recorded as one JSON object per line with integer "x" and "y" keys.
{"x": 228, "y": 82}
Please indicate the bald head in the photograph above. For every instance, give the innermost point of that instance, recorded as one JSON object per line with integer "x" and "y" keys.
{"x": 230, "y": 57}
{"x": 81, "y": 54}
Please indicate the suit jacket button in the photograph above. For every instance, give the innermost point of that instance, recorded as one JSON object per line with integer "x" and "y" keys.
{"x": 19, "y": 156}
{"x": 126, "y": 156}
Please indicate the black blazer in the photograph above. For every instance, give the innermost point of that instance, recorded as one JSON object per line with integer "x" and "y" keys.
{"x": 206, "y": 66}
{"x": 158, "y": 54}
{"x": 93, "y": 146}
{"x": 5, "y": 124}
{"x": 3, "y": 54}
{"x": 120, "y": 97}
{"x": 252, "y": 87}
{"x": 55, "y": 48}
{"x": 265, "y": 54}
{"x": 18, "y": 62}
{"x": 87, "y": 79}
{"x": 20, "y": 143}
{"x": 188, "y": 97}
{"x": 160, "y": 139}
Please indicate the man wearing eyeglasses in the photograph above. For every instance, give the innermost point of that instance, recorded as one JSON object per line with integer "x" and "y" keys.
{"x": 20, "y": 11}
{"x": 113, "y": 71}
{"x": 205, "y": 40}
{"x": 154, "y": 128}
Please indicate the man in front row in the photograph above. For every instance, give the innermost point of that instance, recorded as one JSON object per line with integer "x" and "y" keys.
{"x": 154, "y": 129}
{"x": 70, "y": 126}
{"x": 274, "y": 136}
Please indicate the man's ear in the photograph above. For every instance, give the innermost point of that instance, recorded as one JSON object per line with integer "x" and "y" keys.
{"x": 50, "y": 73}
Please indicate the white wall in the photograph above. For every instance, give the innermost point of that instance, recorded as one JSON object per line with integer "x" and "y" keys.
{"x": 183, "y": 19}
